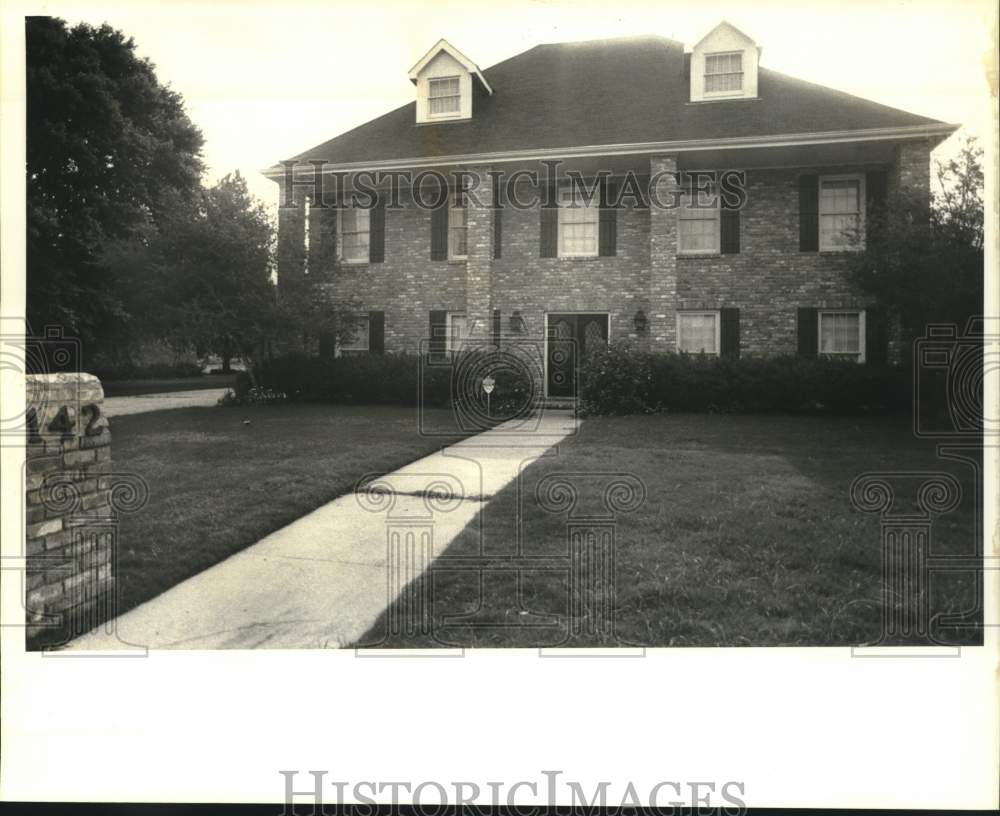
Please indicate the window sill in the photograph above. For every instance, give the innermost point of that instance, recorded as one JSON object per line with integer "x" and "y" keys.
{"x": 841, "y": 251}
{"x": 582, "y": 257}
{"x": 707, "y": 254}
{"x": 460, "y": 260}
{"x": 354, "y": 264}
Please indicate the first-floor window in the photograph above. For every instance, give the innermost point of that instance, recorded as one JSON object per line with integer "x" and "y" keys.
{"x": 358, "y": 339}
{"x": 458, "y": 232}
{"x": 842, "y": 334}
{"x": 354, "y": 234}
{"x": 841, "y": 212}
{"x": 578, "y": 224}
{"x": 457, "y": 328}
{"x": 698, "y": 332}
{"x": 698, "y": 222}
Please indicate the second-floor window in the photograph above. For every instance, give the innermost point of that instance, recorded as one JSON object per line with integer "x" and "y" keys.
{"x": 458, "y": 231}
{"x": 444, "y": 95}
{"x": 724, "y": 72}
{"x": 841, "y": 211}
{"x": 578, "y": 224}
{"x": 698, "y": 222}
{"x": 354, "y": 234}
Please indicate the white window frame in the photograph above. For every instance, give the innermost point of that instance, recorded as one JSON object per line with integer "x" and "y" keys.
{"x": 341, "y": 232}
{"x": 360, "y": 319}
{"x": 860, "y": 179}
{"x": 454, "y": 207}
{"x": 861, "y": 353}
{"x": 567, "y": 195}
{"x": 451, "y": 114}
{"x": 716, "y": 314}
{"x": 450, "y": 344}
{"x": 742, "y": 74}
{"x": 716, "y": 209}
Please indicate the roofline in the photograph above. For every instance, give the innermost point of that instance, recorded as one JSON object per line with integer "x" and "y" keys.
{"x": 941, "y": 129}
{"x": 730, "y": 25}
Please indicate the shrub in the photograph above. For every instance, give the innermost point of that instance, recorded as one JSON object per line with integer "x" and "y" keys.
{"x": 150, "y": 371}
{"x": 621, "y": 380}
{"x": 403, "y": 379}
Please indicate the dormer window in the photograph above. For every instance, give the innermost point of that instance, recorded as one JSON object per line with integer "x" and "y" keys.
{"x": 445, "y": 96}
{"x": 724, "y": 73}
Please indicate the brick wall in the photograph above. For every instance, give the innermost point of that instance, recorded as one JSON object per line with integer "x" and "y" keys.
{"x": 68, "y": 513}
{"x": 768, "y": 280}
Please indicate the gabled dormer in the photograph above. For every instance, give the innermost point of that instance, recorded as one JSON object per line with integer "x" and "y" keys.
{"x": 724, "y": 65}
{"x": 445, "y": 79}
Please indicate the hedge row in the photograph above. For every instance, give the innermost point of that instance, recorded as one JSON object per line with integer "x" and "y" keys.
{"x": 401, "y": 379}
{"x": 621, "y": 380}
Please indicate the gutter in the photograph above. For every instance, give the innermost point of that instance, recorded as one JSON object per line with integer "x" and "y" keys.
{"x": 941, "y": 130}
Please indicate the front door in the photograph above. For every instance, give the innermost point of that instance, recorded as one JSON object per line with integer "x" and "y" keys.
{"x": 571, "y": 337}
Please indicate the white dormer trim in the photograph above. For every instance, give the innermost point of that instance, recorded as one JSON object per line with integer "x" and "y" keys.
{"x": 728, "y": 48}
{"x": 454, "y": 53}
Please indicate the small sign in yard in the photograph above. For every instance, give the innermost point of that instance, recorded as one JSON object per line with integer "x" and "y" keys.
{"x": 488, "y": 385}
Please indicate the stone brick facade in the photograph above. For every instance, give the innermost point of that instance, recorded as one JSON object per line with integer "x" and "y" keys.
{"x": 68, "y": 512}
{"x": 768, "y": 280}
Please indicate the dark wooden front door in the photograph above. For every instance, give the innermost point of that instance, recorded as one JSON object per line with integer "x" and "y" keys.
{"x": 570, "y": 338}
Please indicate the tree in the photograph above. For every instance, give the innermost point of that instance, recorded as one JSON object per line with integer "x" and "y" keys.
{"x": 110, "y": 151}
{"x": 217, "y": 265}
{"x": 927, "y": 265}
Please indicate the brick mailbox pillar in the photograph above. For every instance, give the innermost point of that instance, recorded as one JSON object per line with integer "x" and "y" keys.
{"x": 69, "y": 517}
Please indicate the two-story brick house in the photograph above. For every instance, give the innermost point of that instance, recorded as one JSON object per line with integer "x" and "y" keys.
{"x": 764, "y": 277}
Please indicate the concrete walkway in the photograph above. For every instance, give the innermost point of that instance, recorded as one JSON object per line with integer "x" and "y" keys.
{"x": 140, "y": 404}
{"x": 322, "y": 581}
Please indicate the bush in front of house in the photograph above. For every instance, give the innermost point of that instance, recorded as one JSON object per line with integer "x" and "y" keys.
{"x": 402, "y": 379}
{"x": 623, "y": 380}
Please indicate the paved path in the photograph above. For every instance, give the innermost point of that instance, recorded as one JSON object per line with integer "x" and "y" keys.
{"x": 198, "y": 398}
{"x": 322, "y": 581}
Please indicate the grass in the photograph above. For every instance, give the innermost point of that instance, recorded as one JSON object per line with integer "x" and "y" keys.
{"x": 747, "y": 537}
{"x": 132, "y": 388}
{"x": 217, "y": 486}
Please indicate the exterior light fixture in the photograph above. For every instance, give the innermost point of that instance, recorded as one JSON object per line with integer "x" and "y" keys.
{"x": 640, "y": 321}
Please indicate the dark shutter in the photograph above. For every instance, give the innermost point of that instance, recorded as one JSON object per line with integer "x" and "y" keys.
{"x": 439, "y": 234}
{"x": 607, "y": 241}
{"x": 809, "y": 213}
{"x": 497, "y": 232}
{"x": 876, "y": 193}
{"x": 729, "y": 229}
{"x": 876, "y": 335}
{"x": 327, "y": 345}
{"x": 808, "y": 332}
{"x": 376, "y": 232}
{"x": 549, "y": 227}
{"x": 496, "y": 328}
{"x": 439, "y": 320}
{"x": 729, "y": 332}
{"x": 376, "y": 332}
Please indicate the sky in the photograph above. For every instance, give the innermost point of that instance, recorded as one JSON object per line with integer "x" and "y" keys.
{"x": 265, "y": 81}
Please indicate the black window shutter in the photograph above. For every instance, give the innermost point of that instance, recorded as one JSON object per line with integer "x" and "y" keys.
{"x": 809, "y": 213}
{"x": 376, "y": 232}
{"x": 549, "y": 228}
{"x": 327, "y": 345}
{"x": 729, "y": 229}
{"x": 607, "y": 241}
{"x": 808, "y": 332}
{"x": 439, "y": 319}
{"x": 876, "y": 336}
{"x": 376, "y": 332}
{"x": 439, "y": 234}
{"x": 729, "y": 332}
{"x": 876, "y": 189}
{"x": 497, "y": 232}
{"x": 496, "y": 327}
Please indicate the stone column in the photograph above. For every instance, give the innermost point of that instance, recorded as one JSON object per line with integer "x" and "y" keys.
{"x": 479, "y": 264}
{"x": 662, "y": 254}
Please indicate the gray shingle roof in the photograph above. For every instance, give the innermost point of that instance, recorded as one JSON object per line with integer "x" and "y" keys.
{"x": 620, "y": 91}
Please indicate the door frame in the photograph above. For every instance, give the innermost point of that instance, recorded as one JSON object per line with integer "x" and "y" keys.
{"x": 545, "y": 338}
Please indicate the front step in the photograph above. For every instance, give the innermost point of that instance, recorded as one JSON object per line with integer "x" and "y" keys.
{"x": 559, "y": 403}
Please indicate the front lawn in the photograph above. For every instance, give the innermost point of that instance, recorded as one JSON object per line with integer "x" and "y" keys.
{"x": 747, "y": 537}
{"x": 217, "y": 485}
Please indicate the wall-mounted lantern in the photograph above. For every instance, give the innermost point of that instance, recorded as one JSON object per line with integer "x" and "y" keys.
{"x": 516, "y": 323}
{"x": 640, "y": 321}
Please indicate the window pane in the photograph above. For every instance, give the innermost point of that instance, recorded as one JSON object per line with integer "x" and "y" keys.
{"x": 696, "y": 333}
{"x": 359, "y": 339}
{"x": 457, "y": 331}
{"x": 839, "y": 196}
{"x": 354, "y": 234}
{"x": 723, "y": 72}
{"x": 839, "y": 333}
{"x": 457, "y": 232}
{"x": 698, "y": 223}
{"x": 578, "y": 223}
{"x": 444, "y": 95}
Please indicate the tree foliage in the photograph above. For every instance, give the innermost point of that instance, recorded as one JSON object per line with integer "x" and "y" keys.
{"x": 924, "y": 263}
{"x": 110, "y": 153}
